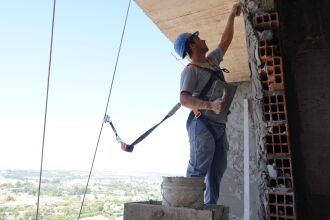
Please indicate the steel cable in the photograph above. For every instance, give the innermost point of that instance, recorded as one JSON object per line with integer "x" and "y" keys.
{"x": 106, "y": 108}
{"x": 46, "y": 108}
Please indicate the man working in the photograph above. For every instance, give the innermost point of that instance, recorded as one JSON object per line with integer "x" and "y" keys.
{"x": 199, "y": 82}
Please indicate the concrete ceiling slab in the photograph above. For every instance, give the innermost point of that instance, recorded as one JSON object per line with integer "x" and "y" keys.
{"x": 209, "y": 17}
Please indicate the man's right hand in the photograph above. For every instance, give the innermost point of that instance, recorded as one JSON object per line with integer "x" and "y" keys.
{"x": 192, "y": 102}
{"x": 218, "y": 105}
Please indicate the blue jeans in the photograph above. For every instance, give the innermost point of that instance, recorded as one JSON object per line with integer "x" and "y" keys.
{"x": 208, "y": 156}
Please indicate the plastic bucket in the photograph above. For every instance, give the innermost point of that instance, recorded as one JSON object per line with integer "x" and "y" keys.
{"x": 183, "y": 192}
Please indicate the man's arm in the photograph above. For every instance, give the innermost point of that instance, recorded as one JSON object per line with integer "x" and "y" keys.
{"x": 192, "y": 102}
{"x": 228, "y": 32}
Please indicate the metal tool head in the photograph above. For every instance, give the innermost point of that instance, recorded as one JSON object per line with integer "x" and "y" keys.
{"x": 224, "y": 94}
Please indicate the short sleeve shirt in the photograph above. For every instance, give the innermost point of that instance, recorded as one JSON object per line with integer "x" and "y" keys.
{"x": 194, "y": 79}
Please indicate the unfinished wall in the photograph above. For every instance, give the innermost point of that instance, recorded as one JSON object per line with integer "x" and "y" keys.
{"x": 290, "y": 112}
{"x": 232, "y": 185}
{"x": 272, "y": 156}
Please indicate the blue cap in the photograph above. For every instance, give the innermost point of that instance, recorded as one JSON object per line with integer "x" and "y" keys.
{"x": 180, "y": 43}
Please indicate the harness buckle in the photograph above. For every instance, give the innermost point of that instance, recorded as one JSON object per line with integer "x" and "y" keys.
{"x": 106, "y": 119}
{"x": 197, "y": 113}
{"x": 119, "y": 140}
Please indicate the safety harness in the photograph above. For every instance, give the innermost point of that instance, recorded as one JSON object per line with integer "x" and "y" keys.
{"x": 197, "y": 113}
{"x": 215, "y": 75}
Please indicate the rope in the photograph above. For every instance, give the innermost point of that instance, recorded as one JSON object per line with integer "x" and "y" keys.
{"x": 106, "y": 108}
{"x": 46, "y": 108}
{"x": 179, "y": 60}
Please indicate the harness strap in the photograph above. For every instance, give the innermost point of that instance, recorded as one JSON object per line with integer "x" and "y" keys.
{"x": 196, "y": 112}
{"x": 204, "y": 121}
{"x": 211, "y": 63}
{"x": 207, "y": 87}
{"x": 130, "y": 147}
{"x": 209, "y": 127}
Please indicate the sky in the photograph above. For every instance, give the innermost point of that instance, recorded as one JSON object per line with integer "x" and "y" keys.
{"x": 86, "y": 40}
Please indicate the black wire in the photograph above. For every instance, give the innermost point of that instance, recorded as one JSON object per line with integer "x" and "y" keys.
{"x": 106, "y": 108}
{"x": 46, "y": 107}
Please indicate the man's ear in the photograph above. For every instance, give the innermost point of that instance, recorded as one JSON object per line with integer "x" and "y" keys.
{"x": 191, "y": 45}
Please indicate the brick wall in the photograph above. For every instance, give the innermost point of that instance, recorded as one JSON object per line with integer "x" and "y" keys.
{"x": 280, "y": 188}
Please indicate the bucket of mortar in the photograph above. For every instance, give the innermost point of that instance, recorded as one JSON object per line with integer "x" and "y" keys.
{"x": 183, "y": 192}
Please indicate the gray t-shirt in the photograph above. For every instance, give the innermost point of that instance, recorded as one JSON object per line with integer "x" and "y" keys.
{"x": 194, "y": 79}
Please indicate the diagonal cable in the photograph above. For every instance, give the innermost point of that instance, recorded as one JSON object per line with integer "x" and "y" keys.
{"x": 46, "y": 108}
{"x": 106, "y": 108}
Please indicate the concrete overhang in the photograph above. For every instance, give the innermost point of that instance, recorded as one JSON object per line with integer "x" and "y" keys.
{"x": 209, "y": 17}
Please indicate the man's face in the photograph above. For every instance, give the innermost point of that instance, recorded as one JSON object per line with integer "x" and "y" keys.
{"x": 200, "y": 45}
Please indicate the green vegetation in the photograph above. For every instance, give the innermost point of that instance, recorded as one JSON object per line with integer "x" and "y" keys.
{"x": 62, "y": 194}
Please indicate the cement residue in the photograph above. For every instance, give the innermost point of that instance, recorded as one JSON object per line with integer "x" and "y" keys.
{"x": 233, "y": 182}
{"x": 260, "y": 126}
{"x": 232, "y": 186}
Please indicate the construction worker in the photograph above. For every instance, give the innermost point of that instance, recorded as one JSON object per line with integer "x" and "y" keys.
{"x": 206, "y": 130}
